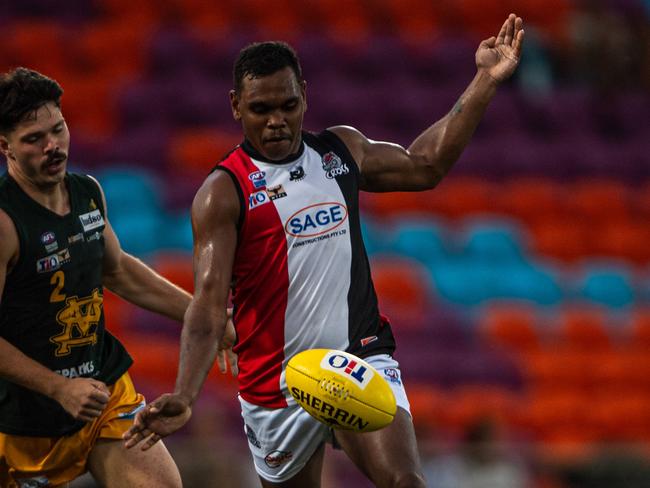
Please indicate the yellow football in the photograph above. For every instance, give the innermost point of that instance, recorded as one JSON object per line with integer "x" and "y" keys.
{"x": 341, "y": 390}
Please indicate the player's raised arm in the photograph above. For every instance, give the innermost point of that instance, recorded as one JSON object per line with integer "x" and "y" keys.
{"x": 390, "y": 167}
{"x": 215, "y": 213}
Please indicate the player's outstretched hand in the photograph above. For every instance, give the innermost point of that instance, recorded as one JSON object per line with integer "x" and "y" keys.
{"x": 162, "y": 417}
{"x": 83, "y": 398}
{"x": 224, "y": 353}
{"x": 499, "y": 56}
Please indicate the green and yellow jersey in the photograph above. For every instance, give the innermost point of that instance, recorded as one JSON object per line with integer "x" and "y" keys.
{"x": 52, "y": 303}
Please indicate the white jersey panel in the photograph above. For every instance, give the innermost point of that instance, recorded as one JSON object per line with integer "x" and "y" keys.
{"x": 314, "y": 214}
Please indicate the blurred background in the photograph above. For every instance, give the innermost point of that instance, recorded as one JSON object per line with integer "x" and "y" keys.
{"x": 519, "y": 289}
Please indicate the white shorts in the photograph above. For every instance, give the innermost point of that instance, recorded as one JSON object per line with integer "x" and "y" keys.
{"x": 283, "y": 440}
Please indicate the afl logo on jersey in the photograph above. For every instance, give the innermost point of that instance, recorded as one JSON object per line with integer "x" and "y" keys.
{"x": 258, "y": 178}
{"x": 49, "y": 241}
{"x": 316, "y": 220}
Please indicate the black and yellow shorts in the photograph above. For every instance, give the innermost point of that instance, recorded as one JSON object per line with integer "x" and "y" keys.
{"x": 51, "y": 461}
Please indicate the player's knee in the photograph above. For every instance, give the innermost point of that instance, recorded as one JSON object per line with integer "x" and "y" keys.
{"x": 408, "y": 479}
{"x": 404, "y": 479}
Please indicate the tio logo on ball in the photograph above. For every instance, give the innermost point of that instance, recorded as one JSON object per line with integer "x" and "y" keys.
{"x": 349, "y": 367}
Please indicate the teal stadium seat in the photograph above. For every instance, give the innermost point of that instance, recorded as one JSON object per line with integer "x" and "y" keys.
{"x": 424, "y": 239}
{"x": 606, "y": 283}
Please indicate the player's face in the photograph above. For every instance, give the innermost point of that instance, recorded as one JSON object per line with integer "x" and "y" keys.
{"x": 37, "y": 148}
{"x": 271, "y": 109}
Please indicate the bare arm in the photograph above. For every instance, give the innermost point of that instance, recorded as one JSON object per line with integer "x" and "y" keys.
{"x": 83, "y": 398}
{"x": 215, "y": 212}
{"x": 390, "y": 167}
{"x": 137, "y": 283}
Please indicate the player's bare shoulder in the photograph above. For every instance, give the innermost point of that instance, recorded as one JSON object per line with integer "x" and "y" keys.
{"x": 9, "y": 242}
{"x": 216, "y": 198}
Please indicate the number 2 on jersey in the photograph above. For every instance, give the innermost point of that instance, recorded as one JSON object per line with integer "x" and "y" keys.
{"x": 57, "y": 279}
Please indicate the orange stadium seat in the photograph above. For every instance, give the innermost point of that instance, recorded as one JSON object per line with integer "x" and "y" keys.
{"x": 142, "y": 13}
{"x": 88, "y": 104}
{"x": 348, "y": 29}
{"x": 403, "y": 289}
{"x": 600, "y": 200}
{"x": 559, "y": 418}
{"x": 562, "y": 238}
{"x": 461, "y": 196}
{"x": 532, "y": 199}
{"x": 176, "y": 267}
{"x": 38, "y": 45}
{"x": 154, "y": 358}
{"x": 582, "y": 329}
{"x": 472, "y": 403}
{"x": 282, "y": 21}
{"x": 199, "y": 150}
{"x": 114, "y": 49}
{"x": 117, "y": 313}
{"x": 511, "y": 326}
{"x": 428, "y": 405}
{"x": 625, "y": 238}
{"x": 551, "y": 16}
{"x": 416, "y": 21}
{"x": 479, "y": 21}
{"x": 639, "y": 335}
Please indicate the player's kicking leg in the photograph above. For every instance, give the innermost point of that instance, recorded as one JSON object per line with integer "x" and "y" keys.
{"x": 388, "y": 457}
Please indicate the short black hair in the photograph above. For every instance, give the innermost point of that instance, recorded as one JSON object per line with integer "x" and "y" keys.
{"x": 263, "y": 59}
{"x": 23, "y": 91}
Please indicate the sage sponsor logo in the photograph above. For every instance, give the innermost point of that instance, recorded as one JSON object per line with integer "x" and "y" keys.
{"x": 316, "y": 220}
{"x": 91, "y": 220}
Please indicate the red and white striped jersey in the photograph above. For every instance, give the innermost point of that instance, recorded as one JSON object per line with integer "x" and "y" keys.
{"x": 301, "y": 277}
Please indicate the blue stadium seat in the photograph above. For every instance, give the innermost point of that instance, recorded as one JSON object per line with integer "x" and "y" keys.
{"x": 606, "y": 283}
{"x": 423, "y": 239}
{"x": 492, "y": 240}
{"x": 130, "y": 192}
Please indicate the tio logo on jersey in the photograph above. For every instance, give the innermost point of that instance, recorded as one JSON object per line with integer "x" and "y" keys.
{"x": 316, "y": 220}
{"x": 348, "y": 367}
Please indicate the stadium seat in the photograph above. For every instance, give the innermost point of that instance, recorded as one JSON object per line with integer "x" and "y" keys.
{"x": 532, "y": 199}
{"x": 176, "y": 267}
{"x": 423, "y": 239}
{"x": 492, "y": 240}
{"x": 566, "y": 239}
{"x": 130, "y": 191}
{"x": 199, "y": 150}
{"x": 403, "y": 288}
{"x": 606, "y": 283}
{"x": 600, "y": 200}
{"x": 582, "y": 329}
{"x": 511, "y": 326}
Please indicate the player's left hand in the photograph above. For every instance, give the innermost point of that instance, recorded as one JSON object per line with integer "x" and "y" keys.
{"x": 499, "y": 56}
{"x": 225, "y": 355}
{"x": 162, "y": 417}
